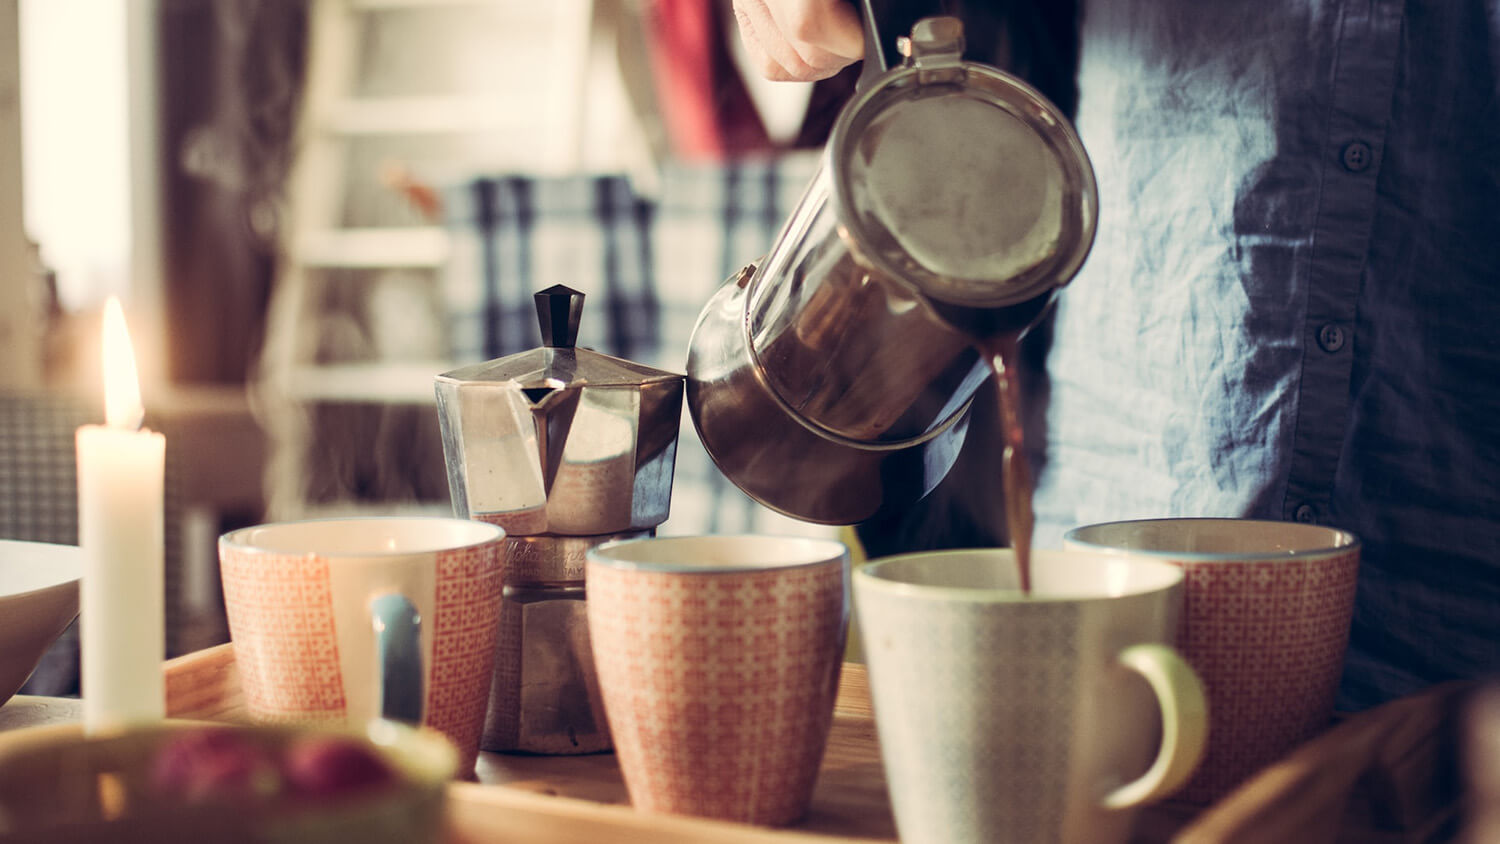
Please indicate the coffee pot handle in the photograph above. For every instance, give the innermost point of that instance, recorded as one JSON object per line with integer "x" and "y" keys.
{"x": 398, "y": 657}
{"x": 871, "y": 13}
{"x": 1184, "y": 724}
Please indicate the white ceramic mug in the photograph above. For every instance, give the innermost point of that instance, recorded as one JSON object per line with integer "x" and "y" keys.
{"x": 347, "y": 620}
{"x": 1267, "y": 609}
{"x": 1007, "y": 717}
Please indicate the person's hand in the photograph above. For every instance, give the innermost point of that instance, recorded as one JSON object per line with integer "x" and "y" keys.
{"x": 800, "y": 40}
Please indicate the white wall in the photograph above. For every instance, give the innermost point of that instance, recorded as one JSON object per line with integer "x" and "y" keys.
{"x": 75, "y": 140}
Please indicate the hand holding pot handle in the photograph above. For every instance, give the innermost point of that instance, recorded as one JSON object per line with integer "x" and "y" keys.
{"x": 801, "y": 40}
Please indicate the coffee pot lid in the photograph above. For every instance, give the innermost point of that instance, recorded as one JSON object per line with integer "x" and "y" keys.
{"x": 961, "y": 180}
{"x": 559, "y": 363}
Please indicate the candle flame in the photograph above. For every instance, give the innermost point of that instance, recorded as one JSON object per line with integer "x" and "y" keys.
{"x": 122, "y": 386}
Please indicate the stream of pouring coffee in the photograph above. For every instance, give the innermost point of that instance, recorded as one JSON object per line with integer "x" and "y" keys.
{"x": 1015, "y": 473}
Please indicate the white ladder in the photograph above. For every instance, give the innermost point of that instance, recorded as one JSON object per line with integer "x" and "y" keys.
{"x": 334, "y": 245}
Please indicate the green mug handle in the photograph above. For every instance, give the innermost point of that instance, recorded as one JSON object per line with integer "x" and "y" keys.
{"x": 1184, "y": 724}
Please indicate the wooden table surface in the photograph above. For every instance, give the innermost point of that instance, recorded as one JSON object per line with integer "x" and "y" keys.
{"x": 1387, "y": 776}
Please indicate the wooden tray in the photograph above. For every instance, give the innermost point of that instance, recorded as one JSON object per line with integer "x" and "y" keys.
{"x": 1384, "y": 777}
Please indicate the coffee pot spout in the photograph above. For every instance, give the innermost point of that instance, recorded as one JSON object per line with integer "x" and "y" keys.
{"x": 552, "y": 418}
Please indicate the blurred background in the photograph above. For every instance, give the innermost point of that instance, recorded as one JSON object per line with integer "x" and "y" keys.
{"x": 309, "y": 208}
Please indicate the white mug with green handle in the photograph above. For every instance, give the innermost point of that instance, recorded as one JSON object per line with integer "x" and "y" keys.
{"x": 1007, "y": 717}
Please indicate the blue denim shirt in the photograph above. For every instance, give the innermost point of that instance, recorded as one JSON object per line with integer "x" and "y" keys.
{"x": 1292, "y": 309}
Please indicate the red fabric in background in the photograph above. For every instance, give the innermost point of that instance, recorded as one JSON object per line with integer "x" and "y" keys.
{"x": 705, "y": 105}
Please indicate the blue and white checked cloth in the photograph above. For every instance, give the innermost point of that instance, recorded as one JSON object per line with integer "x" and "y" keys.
{"x": 647, "y": 263}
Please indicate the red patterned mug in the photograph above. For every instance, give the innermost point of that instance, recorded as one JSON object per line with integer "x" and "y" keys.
{"x": 1265, "y": 623}
{"x": 718, "y": 660}
{"x": 346, "y": 620}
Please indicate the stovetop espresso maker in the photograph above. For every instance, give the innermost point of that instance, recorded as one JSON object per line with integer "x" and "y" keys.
{"x": 565, "y": 448}
{"x": 831, "y": 380}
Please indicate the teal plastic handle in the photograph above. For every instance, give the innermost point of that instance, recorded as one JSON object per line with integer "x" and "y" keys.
{"x": 398, "y": 649}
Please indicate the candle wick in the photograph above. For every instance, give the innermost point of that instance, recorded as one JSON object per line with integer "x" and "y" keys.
{"x": 128, "y": 420}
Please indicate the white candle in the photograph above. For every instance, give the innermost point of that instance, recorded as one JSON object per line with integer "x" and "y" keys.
{"x": 121, "y": 619}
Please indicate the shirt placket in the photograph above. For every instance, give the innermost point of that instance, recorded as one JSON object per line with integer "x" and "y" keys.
{"x": 1364, "y": 76}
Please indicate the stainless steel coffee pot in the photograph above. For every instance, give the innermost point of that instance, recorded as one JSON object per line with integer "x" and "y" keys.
{"x": 564, "y": 448}
{"x": 831, "y": 380}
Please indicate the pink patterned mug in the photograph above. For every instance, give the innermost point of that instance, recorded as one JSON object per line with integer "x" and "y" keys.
{"x": 718, "y": 660}
{"x": 1265, "y": 623}
{"x": 347, "y": 620}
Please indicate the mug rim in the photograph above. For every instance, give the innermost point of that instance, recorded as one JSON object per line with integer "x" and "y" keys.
{"x": 870, "y": 577}
{"x": 238, "y": 538}
{"x": 833, "y": 551}
{"x": 1341, "y": 541}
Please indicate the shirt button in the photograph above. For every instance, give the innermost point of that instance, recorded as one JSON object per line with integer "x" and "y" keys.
{"x": 1357, "y": 156}
{"x": 1331, "y": 337}
{"x": 1305, "y": 514}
